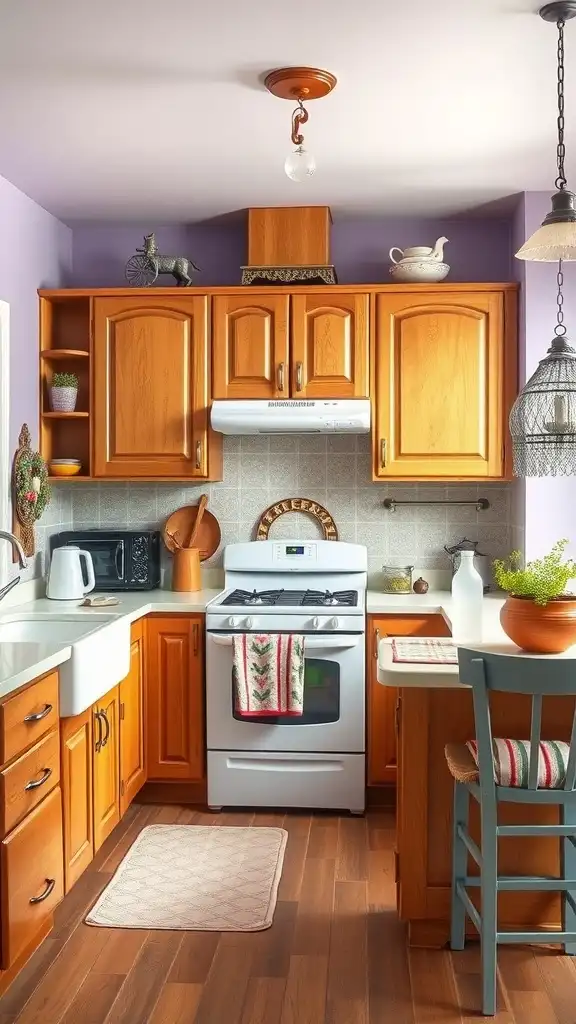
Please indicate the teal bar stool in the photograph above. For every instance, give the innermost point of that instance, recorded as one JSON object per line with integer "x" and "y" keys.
{"x": 496, "y": 771}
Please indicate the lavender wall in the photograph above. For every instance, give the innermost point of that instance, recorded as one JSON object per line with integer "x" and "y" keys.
{"x": 550, "y": 502}
{"x": 36, "y": 252}
{"x": 479, "y": 250}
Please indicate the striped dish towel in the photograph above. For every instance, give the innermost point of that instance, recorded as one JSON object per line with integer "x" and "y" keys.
{"x": 424, "y": 651}
{"x": 268, "y": 673}
{"x": 512, "y": 760}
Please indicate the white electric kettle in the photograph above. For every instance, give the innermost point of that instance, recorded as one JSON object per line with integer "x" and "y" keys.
{"x": 65, "y": 579}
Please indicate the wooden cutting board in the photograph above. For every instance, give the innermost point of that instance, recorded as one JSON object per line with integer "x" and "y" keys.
{"x": 180, "y": 524}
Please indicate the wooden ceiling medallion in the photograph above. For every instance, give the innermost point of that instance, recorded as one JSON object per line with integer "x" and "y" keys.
{"x": 300, "y": 83}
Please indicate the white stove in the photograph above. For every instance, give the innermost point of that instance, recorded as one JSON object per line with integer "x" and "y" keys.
{"x": 313, "y": 588}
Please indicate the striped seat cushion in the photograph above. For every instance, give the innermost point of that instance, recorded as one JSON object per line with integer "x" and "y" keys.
{"x": 512, "y": 761}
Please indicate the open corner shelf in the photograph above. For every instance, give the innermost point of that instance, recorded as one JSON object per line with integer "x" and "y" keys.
{"x": 64, "y": 353}
{"x": 66, "y": 415}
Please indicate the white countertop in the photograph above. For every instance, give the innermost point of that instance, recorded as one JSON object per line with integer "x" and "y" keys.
{"x": 423, "y": 676}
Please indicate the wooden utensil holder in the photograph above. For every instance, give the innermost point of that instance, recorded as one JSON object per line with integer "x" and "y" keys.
{"x": 186, "y": 575}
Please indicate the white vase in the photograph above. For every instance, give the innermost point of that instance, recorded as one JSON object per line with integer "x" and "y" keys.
{"x": 63, "y": 399}
{"x": 467, "y": 601}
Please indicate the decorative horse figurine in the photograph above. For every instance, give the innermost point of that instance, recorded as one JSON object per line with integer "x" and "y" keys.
{"x": 143, "y": 269}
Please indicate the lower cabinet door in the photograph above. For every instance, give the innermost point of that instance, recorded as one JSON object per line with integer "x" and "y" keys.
{"x": 31, "y": 865}
{"x": 132, "y": 746}
{"x": 175, "y": 697}
{"x": 106, "y": 766}
{"x": 77, "y": 797}
{"x": 383, "y": 700}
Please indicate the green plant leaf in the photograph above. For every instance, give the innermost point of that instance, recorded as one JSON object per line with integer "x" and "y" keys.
{"x": 541, "y": 580}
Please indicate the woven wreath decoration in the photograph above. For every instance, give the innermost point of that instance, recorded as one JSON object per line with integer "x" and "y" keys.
{"x": 30, "y": 481}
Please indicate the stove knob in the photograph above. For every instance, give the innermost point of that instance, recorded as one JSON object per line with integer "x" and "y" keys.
{"x": 315, "y": 622}
{"x": 233, "y": 622}
{"x": 334, "y": 623}
{"x": 250, "y": 622}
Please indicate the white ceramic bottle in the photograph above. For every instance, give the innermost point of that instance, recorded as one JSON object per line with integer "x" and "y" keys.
{"x": 467, "y": 599}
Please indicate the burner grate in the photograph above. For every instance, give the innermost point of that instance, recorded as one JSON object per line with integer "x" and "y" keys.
{"x": 293, "y": 598}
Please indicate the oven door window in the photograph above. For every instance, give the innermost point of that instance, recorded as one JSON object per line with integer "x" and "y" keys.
{"x": 321, "y": 697}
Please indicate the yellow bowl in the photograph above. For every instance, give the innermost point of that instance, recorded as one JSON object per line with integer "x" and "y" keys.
{"x": 66, "y": 469}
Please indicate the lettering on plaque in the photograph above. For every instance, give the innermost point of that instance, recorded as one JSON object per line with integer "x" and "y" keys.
{"x": 311, "y": 508}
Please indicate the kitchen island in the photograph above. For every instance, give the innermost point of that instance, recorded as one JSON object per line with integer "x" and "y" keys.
{"x": 434, "y": 708}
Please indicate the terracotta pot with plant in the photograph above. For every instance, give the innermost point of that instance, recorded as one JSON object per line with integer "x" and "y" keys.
{"x": 538, "y": 615}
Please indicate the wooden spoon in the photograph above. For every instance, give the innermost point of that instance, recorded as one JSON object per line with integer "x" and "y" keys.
{"x": 175, "y": 538}
{"x": 201, "y": 507}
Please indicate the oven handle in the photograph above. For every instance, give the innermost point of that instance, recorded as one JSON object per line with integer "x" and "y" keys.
{"x": 326, "y": 644}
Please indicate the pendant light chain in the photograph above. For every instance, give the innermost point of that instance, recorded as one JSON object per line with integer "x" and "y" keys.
{"x": 561, "y": 149}
{"x": 560, "y": 329}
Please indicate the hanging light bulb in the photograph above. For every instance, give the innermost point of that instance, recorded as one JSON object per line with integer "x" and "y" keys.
{"x": 300, "y": 164}
{"x": 555, "y": 239}
{"x": 299, "y": 84}
{"x": 543, "y": 417}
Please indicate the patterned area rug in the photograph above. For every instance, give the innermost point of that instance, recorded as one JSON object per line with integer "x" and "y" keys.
{"x": 195, "y": 878}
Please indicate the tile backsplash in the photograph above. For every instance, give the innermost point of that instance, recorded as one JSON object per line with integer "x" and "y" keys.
{"x": 332, "y": 470}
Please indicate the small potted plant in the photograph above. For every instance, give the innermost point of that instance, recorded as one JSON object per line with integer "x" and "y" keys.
{"x": 538, "y": 614}
{"x": 64, "y": 392}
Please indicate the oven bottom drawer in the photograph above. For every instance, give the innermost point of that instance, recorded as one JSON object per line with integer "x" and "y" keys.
{"x": 239, "y": 778}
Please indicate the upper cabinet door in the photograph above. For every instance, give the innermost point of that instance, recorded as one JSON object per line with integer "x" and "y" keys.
{"x": 330, "y": 346}
{"x": 150, "y": 386}
{"x": 442, "y": 383}
{"x": 250, "y": 346}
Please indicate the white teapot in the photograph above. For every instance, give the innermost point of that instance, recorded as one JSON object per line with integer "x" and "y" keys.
{"x": 420, "y": 262}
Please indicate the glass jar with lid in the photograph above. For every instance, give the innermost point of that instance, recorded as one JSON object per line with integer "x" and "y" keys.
{"x": 397, "y": 579}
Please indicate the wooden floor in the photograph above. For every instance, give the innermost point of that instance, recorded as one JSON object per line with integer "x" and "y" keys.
{"x": 336, "y": 952}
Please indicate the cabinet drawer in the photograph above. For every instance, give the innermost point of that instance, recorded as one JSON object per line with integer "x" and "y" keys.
{"x": 28, "y": 780}
{"x": 27, "y": 716}
{"x": 32, "y": 871}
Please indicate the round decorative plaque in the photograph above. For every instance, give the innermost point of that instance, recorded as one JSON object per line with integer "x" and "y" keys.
{"x": 311, "y": 508}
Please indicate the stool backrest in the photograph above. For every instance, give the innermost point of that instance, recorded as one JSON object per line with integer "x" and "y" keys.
{"x": 536, "y": 676}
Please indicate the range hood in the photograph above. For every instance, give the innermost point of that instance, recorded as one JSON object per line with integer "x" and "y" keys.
{"x": 322, "y": 416}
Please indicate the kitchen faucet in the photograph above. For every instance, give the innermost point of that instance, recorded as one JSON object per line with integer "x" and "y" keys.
{"x": 5, "y": 535}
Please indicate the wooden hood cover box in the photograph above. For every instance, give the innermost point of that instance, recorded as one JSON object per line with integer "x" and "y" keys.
{"x": 289, "y": 236}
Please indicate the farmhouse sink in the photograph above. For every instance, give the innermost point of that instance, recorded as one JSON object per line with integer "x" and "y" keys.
{"x": 100, "y": 646}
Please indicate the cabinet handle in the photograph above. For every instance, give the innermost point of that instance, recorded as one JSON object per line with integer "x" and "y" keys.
{"x": 196, "y": 636}
{"x": 383, "y": 452}
{"x": 397, "y": 713}
{"x": 35, "y": 783}
{"x": 50, "y": 885}
{"x": 98, "y": 744}
{"x": 280, "y": 376}
{"x": 299, "y": 376}
{"x": 107, "y": 736}
{"x": 376, "y": 642}
{"x": 198, "y": 454}
{"x": 37, "y": 716}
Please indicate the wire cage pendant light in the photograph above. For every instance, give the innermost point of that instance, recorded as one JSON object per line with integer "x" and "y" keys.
{"x": 543, "y": 417}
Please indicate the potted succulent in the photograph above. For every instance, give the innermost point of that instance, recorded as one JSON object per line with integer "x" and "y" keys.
{"x": 64, "y": 392}
{"x": 538, "y": 614}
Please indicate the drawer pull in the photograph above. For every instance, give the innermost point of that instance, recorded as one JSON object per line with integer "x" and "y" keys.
{"x": 36, "y": 783}
{"x": 280, "y": 376}
{"x": 50, "y": 886}
{"x": 37, "y": 716}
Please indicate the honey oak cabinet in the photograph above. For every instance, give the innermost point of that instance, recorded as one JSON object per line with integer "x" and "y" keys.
{"x": 384, "y": 701}
{"x": 299, "y": 346}
{"x": 329, "y": 346}
{"x": 106, "y": 747}
{"x": 132, "y": 732}
{"x": 250, "y": 346}
{"x": 175, "y": 697}
{"x": 444, "y": 366}
{"x": 151, "y": 389}
{"x": 77, "y": 795}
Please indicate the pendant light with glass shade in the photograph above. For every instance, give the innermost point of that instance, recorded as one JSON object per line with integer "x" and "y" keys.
{"x": 299, "y": 84}
{"x": 543, "y": 417}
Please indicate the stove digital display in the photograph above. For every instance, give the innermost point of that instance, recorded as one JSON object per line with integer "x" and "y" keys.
{"x": 294, "y": 549}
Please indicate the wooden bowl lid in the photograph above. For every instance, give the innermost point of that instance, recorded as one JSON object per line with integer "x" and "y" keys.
{"x": 180, "y": 524}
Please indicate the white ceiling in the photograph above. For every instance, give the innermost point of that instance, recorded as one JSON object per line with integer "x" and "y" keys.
{"x": 138, "y": 109}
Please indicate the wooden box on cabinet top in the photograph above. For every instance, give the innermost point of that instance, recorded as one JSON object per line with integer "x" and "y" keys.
{"x": 444, "y": 371}
{"x": 151, "y": 389}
